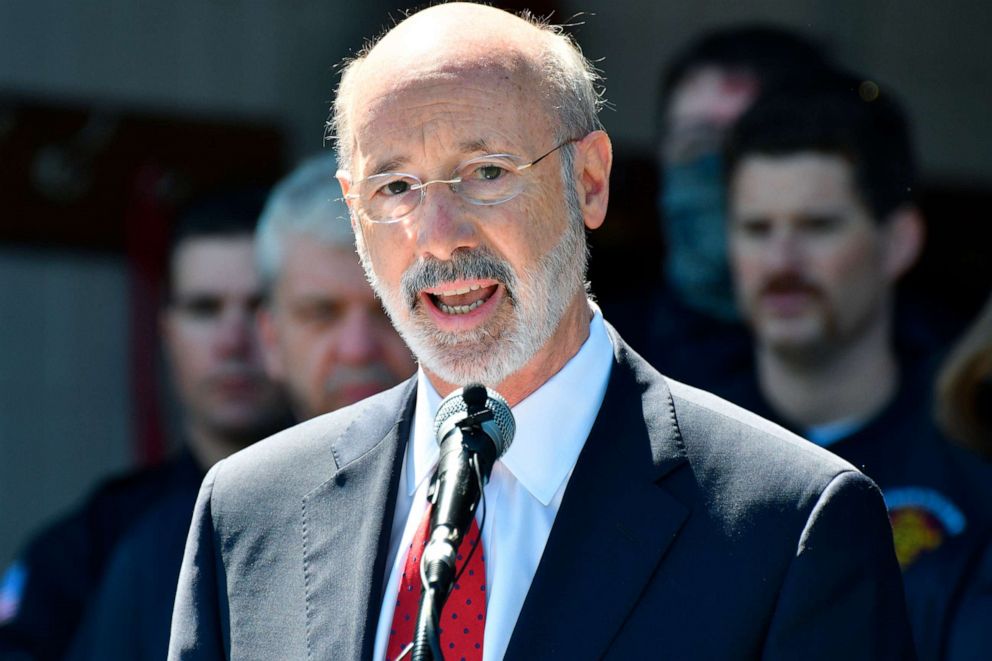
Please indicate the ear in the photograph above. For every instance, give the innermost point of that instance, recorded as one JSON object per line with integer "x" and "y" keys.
{"x": 594, "y": 158}
{"x": 904, "y": 232}
{"x": 345, "y": 182}
{"x": 271, "y": 352}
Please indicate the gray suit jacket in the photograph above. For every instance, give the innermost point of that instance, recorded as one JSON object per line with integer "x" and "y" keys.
{"x": 690, "y": 529}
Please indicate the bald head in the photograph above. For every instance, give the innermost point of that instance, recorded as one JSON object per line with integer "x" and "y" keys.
{"x": 457, "y": 33}
{"x": 461, "y": 38}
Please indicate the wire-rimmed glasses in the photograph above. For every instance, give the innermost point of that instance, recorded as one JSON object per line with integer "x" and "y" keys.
{"x": 483, "y": 180}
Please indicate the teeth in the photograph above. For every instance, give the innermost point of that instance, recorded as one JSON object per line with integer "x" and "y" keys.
{"x": 463, "y": 290}
{"x": 458, "y": 309}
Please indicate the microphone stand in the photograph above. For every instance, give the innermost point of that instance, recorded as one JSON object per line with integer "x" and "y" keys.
{"x": 436, "y": 575}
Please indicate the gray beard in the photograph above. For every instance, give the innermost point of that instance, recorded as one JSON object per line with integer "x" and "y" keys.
{"x": 536, "y": 302}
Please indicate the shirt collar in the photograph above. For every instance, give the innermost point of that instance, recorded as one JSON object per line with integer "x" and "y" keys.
{"x": 552, "y": 423}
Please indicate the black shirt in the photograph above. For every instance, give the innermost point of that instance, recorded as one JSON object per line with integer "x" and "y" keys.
{"x": 61, "y": 567}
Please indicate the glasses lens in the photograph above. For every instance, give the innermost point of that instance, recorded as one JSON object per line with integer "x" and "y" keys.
{"x": 389, "y": 196}
{"x": 490, "y": 179}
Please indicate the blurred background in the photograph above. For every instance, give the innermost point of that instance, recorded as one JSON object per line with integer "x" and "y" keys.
{"x": 113, "y": 113}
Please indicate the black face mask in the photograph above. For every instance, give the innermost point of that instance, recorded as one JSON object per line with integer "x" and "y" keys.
{"x": 693, "y": 204}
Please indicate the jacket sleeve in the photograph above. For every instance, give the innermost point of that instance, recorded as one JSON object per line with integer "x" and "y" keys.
{"x": 842, "y": 596}
{"x": 200, "y": 622}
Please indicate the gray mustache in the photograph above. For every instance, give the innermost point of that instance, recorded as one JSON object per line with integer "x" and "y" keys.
{"x": 463, "y": 265}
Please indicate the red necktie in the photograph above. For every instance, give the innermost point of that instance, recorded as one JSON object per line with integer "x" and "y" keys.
{"x": 463, "y": 618}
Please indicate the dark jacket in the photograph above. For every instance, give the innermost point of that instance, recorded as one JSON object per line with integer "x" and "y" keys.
{"x": 690, "y": 529}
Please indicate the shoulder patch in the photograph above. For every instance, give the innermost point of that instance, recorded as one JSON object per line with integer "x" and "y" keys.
{"x": 922, "y": 520}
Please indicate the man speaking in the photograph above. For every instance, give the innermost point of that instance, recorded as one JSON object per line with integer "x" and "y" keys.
{"x": 632, "y": 516}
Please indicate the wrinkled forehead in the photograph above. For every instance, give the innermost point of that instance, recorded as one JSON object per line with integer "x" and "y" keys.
{"x": 448, "y": 107}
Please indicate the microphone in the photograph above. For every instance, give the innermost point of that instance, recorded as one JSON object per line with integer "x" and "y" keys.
{"x": 474, "y": 427}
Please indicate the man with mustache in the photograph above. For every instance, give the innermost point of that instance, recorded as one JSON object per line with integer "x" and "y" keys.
{"x": 631, "y": 517}
{"x": 692, "y": 330}
{"x": 822, "y": 226}
{"x": 326, "y": 337}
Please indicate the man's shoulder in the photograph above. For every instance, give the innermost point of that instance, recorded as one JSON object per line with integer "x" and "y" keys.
{"x": 304, "y": 456}
{"x": 737, "y": 452}
{"x": 710, "y": 424}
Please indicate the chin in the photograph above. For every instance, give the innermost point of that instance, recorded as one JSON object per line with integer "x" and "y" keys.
{"x": 802, "y": 347}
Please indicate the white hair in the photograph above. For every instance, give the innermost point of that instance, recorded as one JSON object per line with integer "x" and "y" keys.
{"x": 305, "y": 203}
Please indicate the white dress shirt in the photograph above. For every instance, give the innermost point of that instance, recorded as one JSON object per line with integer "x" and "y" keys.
{"x": 524, "y": 491}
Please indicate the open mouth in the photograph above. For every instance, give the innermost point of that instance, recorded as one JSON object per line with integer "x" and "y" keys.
{"x": 460, "y": 299}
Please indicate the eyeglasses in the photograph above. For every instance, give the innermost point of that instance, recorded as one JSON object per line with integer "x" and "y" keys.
{"x": 483, "y": 181}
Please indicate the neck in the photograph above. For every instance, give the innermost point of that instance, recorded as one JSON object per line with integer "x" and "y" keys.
{"x": 573, "y": 330}
{"x": 209, "y": 447}
{"x": 849, "y": 383}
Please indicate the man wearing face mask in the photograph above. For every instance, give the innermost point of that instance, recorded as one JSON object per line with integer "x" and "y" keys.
{"x": 692, "y": 331}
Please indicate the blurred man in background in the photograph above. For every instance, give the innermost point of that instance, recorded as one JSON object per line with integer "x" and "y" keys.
{"x": 822, "y": 226}
{"x": 691, "y": 331}
{"x": 227, "y": 402}
{"x": 326, "y": 336}
{"x": 326, "y": 339}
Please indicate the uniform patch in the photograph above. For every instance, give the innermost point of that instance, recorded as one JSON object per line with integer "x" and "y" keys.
{"x": 922, "y": 519}
{"x": 11, "y": 589}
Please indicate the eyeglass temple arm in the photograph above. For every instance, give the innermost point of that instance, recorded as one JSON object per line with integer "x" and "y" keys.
{"x": 546, "y": 154}
{"x": 456, "y": 180}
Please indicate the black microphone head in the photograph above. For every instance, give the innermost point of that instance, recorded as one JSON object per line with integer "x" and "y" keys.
{"x": 475, "y": 396}
{"x": 454, "y": 408}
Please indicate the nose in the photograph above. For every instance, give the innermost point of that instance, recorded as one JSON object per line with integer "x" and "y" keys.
{"x": 444, "y": 223}
{"x": 356, "y": 342}
{"x": 784, "y": 250}
{"x": 236, "y": 332}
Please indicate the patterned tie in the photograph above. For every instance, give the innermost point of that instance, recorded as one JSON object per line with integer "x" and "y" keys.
{"x": 463, "y": 618}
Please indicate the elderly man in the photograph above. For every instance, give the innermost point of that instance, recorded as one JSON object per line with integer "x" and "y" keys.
{"x": 632, "y": 516}
{"x": 326, "y": 336}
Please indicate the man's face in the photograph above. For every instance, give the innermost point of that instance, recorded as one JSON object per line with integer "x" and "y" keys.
{"x": 212, "y": 342}
{"x": 327, "y": 338}
{"x": 807, "y": 257}
{"x": 474, "y": 290}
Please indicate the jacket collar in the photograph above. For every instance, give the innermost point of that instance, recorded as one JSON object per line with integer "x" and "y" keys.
{"x": 615, "y": 524}
{"x": 599, "y": 535}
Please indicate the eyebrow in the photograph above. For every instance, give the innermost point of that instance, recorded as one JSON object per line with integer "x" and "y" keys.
{"x": 394, "y": 164}
{"x": 479, "y": 145}
{"x": 388, "y": 165}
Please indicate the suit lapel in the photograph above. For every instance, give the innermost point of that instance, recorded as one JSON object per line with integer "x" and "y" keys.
{"x": 346, "y": 525}
{"x": 614, "y": 524}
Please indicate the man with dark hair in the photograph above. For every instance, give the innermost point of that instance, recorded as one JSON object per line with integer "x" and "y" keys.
{"x": 691, "y": 330}
{"x": 820, "y": 180}
{"x": 228, "y": 402}
{"x": 631, "y": 517}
